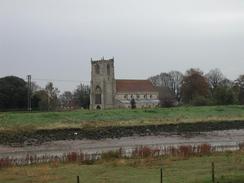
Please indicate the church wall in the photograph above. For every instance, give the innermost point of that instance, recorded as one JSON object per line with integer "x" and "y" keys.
{"x": 143, "y": 99}
{"x": 135, "y": 95}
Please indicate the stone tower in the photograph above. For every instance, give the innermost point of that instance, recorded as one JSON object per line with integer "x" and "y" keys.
{"x": 102, "y": 84}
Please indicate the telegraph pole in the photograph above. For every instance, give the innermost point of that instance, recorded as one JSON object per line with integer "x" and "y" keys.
{"x": 29, "y": 93}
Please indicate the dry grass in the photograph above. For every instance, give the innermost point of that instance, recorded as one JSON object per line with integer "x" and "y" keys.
{"x": 196, "y": 169}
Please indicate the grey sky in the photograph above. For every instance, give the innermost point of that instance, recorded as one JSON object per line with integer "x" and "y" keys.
{"x": 56, "y": 38}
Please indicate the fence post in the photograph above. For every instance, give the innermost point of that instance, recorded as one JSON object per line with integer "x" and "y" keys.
{"x": 78, "y": 179}
{"x": 161, "y": 175}
{"x": 213, "y": 176}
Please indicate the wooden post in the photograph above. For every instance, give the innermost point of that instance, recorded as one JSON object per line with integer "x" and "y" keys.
{"x": 78, "y": 179}
{"x": 213, "y": 176}
{"x": 161, "y": 175}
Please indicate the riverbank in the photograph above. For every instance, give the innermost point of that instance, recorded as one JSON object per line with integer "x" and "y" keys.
{"x": 227, "y": 140}
{"x": 37, "y": 137}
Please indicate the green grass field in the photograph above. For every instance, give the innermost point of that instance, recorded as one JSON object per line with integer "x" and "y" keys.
{"x": 117, "y": 117}
{"x": 229, "y": 169}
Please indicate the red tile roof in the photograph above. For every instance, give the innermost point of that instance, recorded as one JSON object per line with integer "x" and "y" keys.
{"x": 134, "y": 86}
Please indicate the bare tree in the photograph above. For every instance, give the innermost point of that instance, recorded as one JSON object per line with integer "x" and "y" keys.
{"x": 155, "y": 80}
{"x": 166, "y": 80}
{"x": 52, "y": 94}
{"x": 81, "y": 96}
{"x": 215, "y": 78}
{"x": 66, "y": 99}
{"x": 171, "y": 80}
{"x": 35, "y": 87}
{"x": 240, "y": 81}
{"x": 176, "y": 81}
{"x": 240, "y": 84}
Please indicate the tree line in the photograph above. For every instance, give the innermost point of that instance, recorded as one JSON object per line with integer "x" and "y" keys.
{"x": 196, "y": 88}
{"x": 175, "y": 88}
{"x": 14, "y": 91}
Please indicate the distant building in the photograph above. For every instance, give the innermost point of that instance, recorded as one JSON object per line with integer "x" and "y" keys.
{"x": 107, "y": 92}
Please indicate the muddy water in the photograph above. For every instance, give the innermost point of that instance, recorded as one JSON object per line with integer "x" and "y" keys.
{"x": 222, "y": 140}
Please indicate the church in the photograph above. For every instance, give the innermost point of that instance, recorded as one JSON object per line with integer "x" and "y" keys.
{"x": 108, "y": 92}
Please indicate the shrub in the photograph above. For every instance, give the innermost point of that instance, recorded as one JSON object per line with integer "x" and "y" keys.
{"x": 185, "y": 151}
{"x": 224, "y": 95}
{"x": 204, "y": 149}
{"x": 72, "y": 157}
{"x": 168, "y": 101}
{"x": 142, "y": 152}
{"x": 111, "y": 155}
{"x": 200, "y": 101}
{"x": 5, "y": 162}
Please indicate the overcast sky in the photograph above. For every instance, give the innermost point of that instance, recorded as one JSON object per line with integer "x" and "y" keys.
{"x": 55, "y": 39}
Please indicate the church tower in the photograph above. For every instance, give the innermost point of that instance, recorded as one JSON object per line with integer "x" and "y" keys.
{"x": 102, "y": 84}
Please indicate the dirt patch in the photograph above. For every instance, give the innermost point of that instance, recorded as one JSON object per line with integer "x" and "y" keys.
{"x": 41, "y": 136}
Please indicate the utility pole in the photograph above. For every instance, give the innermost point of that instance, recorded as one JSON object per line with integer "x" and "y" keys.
{"x": 29, "y": 93}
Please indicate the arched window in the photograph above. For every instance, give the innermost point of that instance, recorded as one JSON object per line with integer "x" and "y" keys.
{"x": 97, "y": 69}
{"x": 98, "y": 95}
{"x": 108, "y": 69}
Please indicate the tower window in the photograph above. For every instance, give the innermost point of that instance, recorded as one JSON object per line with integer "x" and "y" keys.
{"x": 97, "y": 69}
{"x": 108, "y": 69}
{"x": 98, "y": 95}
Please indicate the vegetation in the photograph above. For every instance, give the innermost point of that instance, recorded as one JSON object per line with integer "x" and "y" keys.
{"x": 199, "y": 89}
{"x": 194, "y": 85}
{"x": 192, "y": 88}
{"x": 13, "y": 96}
{"x": 118, "y": 117}
{"x": 197, "y": 169}
{"x": 13, "y": 93}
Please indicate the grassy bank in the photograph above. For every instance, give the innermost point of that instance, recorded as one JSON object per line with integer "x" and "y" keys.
{"x": 117, "y": 117}
{"x": 229, "y": 168}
